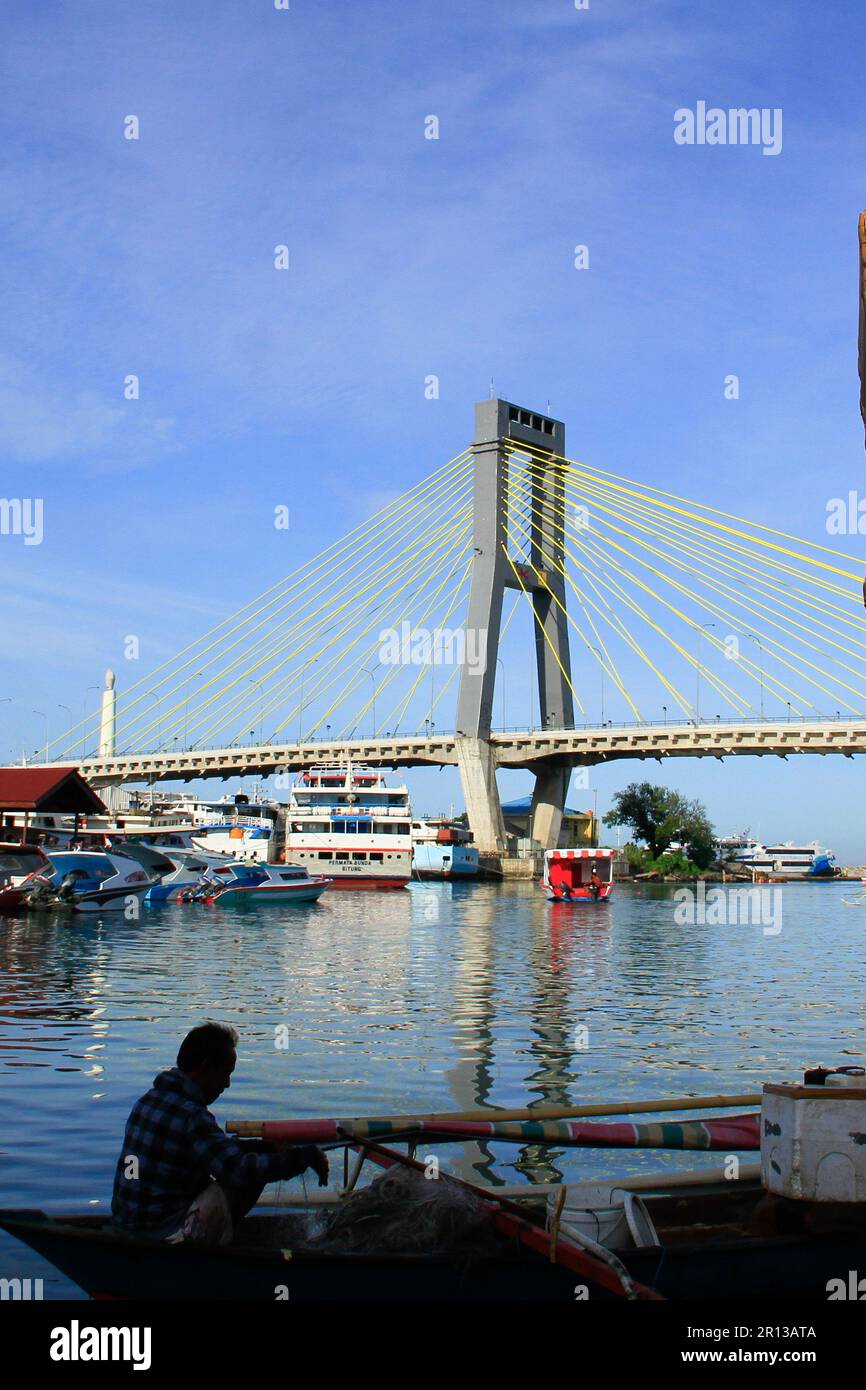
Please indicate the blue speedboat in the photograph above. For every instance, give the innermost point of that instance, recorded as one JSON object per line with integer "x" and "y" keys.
{"x": 257, "y": 883}
{"x": 88, "y": 881}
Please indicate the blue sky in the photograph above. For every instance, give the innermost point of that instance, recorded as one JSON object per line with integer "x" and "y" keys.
{"x": 409, "y": 257}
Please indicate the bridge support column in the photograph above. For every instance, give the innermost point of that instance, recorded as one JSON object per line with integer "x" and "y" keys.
{"x": 476, "y": 761}
{"x": 548, "y": 804}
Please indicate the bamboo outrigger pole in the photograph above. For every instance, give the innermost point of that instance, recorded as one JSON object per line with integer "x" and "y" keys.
{"x": 252, "y": 1129}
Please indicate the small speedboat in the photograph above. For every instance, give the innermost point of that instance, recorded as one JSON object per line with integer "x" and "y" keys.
{"x": 256, "y": 883}
{"x": 87, "y": 881}
{"x": 17, "y": 864}
{"x": 578, "y": 875}
{"x": 176, "y": 870}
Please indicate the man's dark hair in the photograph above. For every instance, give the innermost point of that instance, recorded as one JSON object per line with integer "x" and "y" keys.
{"x": 210, "y": 1042}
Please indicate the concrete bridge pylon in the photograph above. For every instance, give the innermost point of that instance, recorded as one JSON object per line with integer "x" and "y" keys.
{"x": 499, "y": 426}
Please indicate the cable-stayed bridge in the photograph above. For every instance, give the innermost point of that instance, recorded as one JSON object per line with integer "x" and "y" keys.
{"x": 511, "y": 568}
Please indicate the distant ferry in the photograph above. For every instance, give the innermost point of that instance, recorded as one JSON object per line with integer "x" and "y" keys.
{"x": 443, "y": 848}
{"x": 783, "y": 861}
{"x": 349, "y": 824}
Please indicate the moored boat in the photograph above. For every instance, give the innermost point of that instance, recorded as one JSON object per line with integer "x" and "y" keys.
{"x": 256, "y": 883}
{"x": 88, "y": 881}
{"x": 443, "y": 848}
{"x": 578, "y": 875}
{"x": 175, "y": 870}
{"x": 778, "y": 862}
{"x": 349, "y": 823}
{"x": 664, "y": 1235}
{"x": 18, "y": 862}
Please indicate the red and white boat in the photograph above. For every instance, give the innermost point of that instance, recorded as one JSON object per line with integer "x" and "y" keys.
{"x": 349, "y": 824}
{"x": 578, "y": 875}
{"x": 17, "y": 863}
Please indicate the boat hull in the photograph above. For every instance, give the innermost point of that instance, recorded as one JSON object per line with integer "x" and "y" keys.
{"x": 267, "y": 893}
{"x": 368, "y": 883}
{"x": 704, "y": 1263}
{"x": 108, "y": 1265}
{"x": 444, "y": 861}
{"x": 579, "y": 895}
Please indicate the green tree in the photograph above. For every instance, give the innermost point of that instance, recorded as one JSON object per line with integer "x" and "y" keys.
{"x": 658, "y": 817}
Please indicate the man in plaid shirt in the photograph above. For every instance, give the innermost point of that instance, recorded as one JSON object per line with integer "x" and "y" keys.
{"x": 179, "y": 1176}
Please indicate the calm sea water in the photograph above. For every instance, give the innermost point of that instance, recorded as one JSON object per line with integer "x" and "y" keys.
{"x": 442, "y": 997}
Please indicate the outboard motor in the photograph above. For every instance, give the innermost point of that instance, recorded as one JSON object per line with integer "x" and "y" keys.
{"x": 66, "y": 891}
{"x": 40, "y": 892}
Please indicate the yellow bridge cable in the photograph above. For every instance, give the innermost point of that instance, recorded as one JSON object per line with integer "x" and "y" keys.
{"x": 430, "y": 666}
{"x": 380, "y": 518}
{"x": 660, "y": 525}
{"x": 323, "y": 601}
{"x": 386, "y": 581}
{"x": 217, "y": 695}
{"x": 768, "y": 678}
{"x": 411, "y": 571}
{"x": 449, "y": 561}
{"x": 797, "y": 665}
{"x": 325, "y": 607}
{"x": 636, "y": 488}
{"x": 621, "y": 631}
{"x": 601, "y": 493}
{"x": 392, "y": 673}
{"x": 608, "y": 664}
{"x": 747, "y": 606}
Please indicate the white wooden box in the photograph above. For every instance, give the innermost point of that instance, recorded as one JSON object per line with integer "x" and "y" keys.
{"x": 813, "y": 1142}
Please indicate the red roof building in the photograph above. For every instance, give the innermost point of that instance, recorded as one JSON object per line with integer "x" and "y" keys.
{"x": 47, "y": 789}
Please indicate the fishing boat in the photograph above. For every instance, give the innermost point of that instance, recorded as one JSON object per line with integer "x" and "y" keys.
{"x": 578, "y": 875}
{"x": 18, "y": 862}
{"x": 350, "y": 824}
{"x": 443, "y": 848}
{"x": 790, "y": 1227}
{"x": 256, "y": 883}
{"x": 87, "y": 881}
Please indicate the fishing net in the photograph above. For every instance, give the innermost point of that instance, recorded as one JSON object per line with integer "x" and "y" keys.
{"x": 402, "y": 1211}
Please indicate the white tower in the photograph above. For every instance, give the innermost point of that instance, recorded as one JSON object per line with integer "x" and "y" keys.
{"x": 109, "y": 716}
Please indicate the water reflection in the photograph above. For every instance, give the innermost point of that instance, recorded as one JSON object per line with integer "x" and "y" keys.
{"x": 443, "y": 997}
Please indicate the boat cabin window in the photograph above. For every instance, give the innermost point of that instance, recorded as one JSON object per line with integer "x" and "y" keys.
{"x": 83, "y": 865}
{"x": 20, "y": 861}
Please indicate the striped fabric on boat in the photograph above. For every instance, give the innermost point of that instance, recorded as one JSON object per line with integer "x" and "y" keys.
{"x": 728, "y": 1133}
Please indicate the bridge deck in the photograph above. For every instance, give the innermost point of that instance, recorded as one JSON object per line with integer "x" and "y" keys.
{"x": 528, "y": 749}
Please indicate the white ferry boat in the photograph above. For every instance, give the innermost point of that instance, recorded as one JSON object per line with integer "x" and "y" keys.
{"x": 778, "y": 861}
{"x": 442, "y": 848}
{"x": 349, "y": 824}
